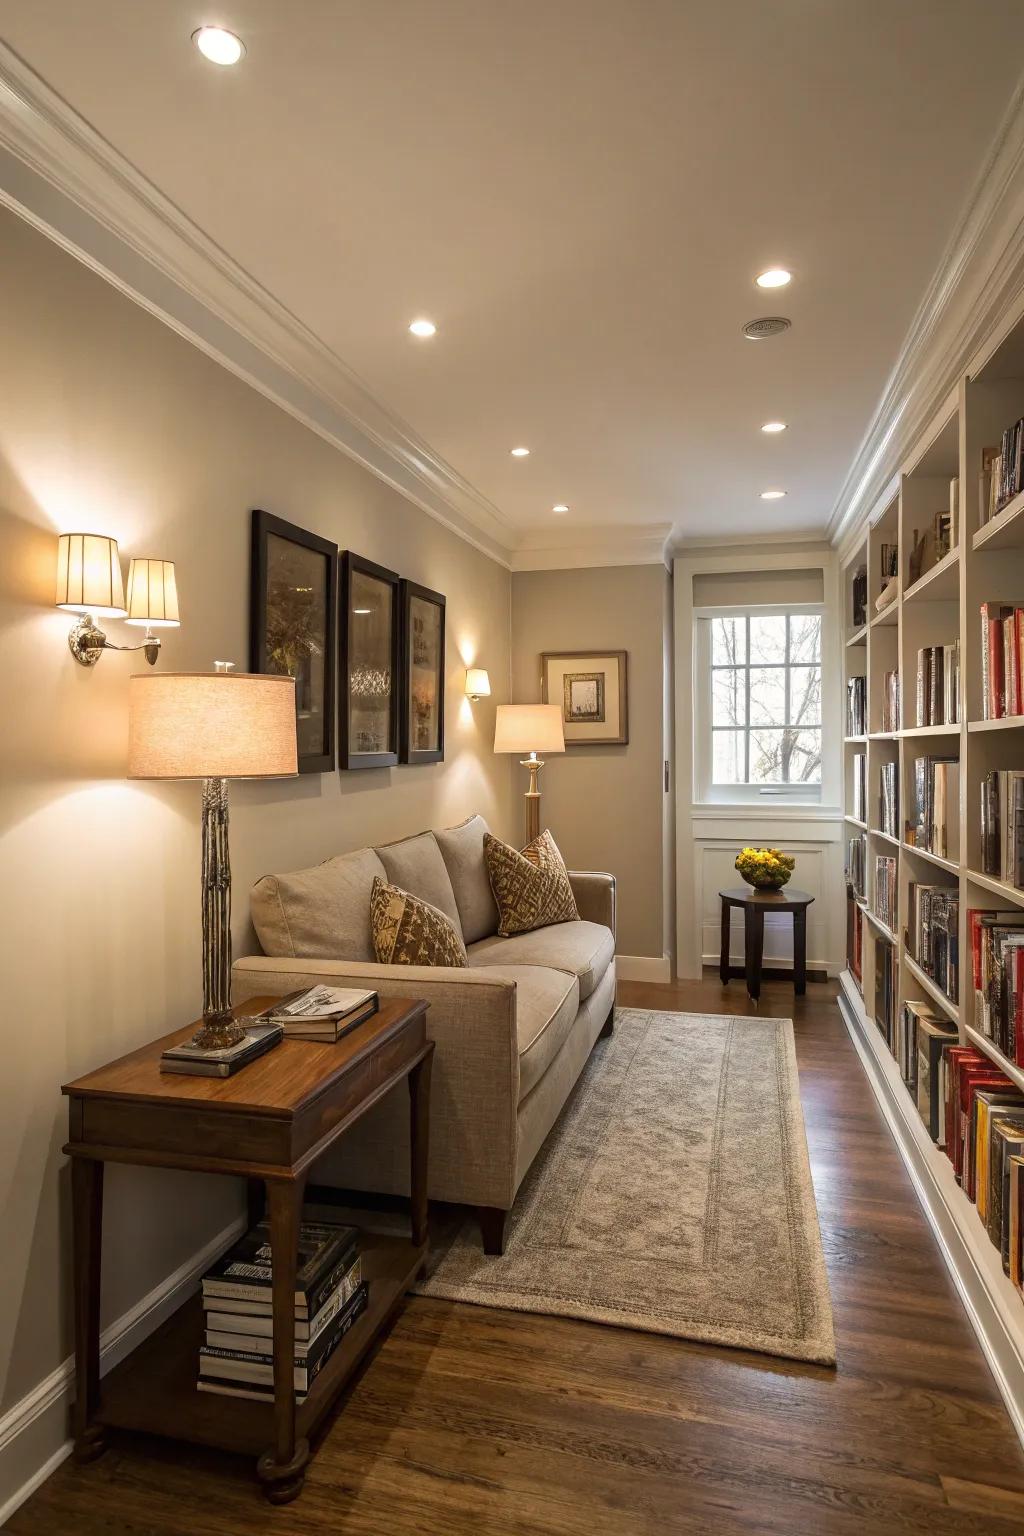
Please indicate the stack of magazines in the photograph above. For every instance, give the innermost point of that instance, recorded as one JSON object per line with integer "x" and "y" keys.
{"x": 237, "y": 1355}
{"x": 197, "y": 1061}
{"x": 322, "y": 1013}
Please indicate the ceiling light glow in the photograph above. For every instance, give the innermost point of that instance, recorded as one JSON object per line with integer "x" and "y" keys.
{"x": 219, "y": 46}
{"x": 774, "y": 426}
{"x": 423, "y": 328}
{"x": 771, "y": 495}
{"x": 775, "y": 277}
{"x": 560, "y": 506}
{"x": 520, "y": 453}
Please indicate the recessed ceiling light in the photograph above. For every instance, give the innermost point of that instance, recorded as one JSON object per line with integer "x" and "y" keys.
{"x": 775, "y": 277}
{"x": 423, "y": 328}
{"x": 771, "y": 495}
{"x": 218, "y": 46}
{"x": 361, "y": 610}
{"x": 560, "y": 507}
{"x": 774, "y": 426}
{"x": 520, "y": 453}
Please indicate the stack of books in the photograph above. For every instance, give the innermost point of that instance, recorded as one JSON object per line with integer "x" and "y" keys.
{"x": 195, "y": 1061}
{"x": 885, "y": 890}
{"x": 856, "y": 706}
{"x": 1002, "y": 660}
{"x": 938, "y": 684}
{"x": 997, "y": 970}
{"x": 933, "y": 934}
{"x": 237, "y": 1358}
{"x": 891, "y": 702}
{"x": 1002, "y": 826}
{"x": 322, "y": 1013}
{"x": 886, "y": 972}
{"x": 936, "y": 823}
{"x": 889, "y": 799}
{"x": 860, "y": 786}
{"x": 1001, "y": 472}
{"x": 857, "y": 865}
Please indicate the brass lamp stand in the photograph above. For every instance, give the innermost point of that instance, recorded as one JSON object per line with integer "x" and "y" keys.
{"x": 529, "y": 728}
{"x": 534, "y": 763}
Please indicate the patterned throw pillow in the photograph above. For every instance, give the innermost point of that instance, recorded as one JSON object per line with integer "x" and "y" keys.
{"x": 531, "y": 888}
{"x": 408, "y": 931}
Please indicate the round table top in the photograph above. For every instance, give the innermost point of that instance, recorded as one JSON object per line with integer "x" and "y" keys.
{"x": 746, "y": 895}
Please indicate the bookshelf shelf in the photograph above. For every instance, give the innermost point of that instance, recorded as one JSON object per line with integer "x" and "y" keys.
{"x": 990, "y": 1048}
{"x": 884, "y": 736}
{"x": 935, "y": 993}
{"x": 883, "y": 928}
{"x": 855, "y": 741}
{"x": 888, "y": 615}
{"x": 940, "y": 584}
{"x": 855, "y": 823}
{"x": 997, "y": 887}
{"x": 930, "y": 730}
{"x": 859, "y": 636}
{"x": 886, "y": 836}
{"x": 933, "y": 858}
{"x": 1007, "y": 723}
{"x": 1006, "y": 529}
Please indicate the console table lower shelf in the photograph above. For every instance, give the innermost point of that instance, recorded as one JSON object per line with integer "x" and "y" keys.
{"x": 154, "y": 1389}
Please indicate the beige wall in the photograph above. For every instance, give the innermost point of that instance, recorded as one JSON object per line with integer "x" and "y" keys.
{"x": 111, "y": 423}
{"x": 605, "y": 805}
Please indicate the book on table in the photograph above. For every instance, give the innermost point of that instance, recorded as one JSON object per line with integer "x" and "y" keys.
{"x": 322, "y": 1012}
{"x": 195, "y": 1061}
{"x": 250, "y": 1373}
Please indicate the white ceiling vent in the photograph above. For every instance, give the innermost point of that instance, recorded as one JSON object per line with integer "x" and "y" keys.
{"x": 768, "y": 325}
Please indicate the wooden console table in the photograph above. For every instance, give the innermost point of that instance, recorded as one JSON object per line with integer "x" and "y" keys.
{"x": 268, "y": 1124}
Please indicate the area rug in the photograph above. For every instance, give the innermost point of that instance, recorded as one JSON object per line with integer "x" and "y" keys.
{"x": 673, "y": 1195}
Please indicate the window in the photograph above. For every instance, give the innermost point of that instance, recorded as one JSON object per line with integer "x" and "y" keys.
{"x": 759, "y": 704}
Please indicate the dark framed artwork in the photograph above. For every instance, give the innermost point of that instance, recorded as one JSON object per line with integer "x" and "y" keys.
{"x": 591, "y": 688}
{"x": 293, "y": 617}
{"x": 422, "y": 703}
{"x": 369, "y": 673}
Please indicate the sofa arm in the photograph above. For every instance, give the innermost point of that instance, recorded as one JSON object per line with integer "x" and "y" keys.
{"x": 474, "y": 1082}
{"x": 595, "y": 896}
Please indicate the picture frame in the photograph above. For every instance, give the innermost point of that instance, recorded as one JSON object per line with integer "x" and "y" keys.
{"x": 293, "y": 616}
{"x": 368, "y": 675}
{"x": 592, "y": 689}
{"x": 422, "y": 674}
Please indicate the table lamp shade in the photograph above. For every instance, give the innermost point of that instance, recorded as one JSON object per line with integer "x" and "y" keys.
{"x": 528, "y": 728}
{"x": 89, "y": 575}
{"x": 215, "y": 725}
{"x": 152, "y": 594}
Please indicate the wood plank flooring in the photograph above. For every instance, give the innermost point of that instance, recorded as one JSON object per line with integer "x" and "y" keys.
{"x": 475, "y": 1421}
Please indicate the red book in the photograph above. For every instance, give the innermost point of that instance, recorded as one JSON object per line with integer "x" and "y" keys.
{"x": 956, "y": 1057}
{"x": 971, "y": 1079}
{"x": 974, "y": 929}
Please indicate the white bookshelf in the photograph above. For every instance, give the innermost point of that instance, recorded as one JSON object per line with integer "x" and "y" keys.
{"x": 986, "y": 564}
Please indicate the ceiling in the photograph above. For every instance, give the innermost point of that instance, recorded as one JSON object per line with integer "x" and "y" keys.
{"x": 580, "y": 194}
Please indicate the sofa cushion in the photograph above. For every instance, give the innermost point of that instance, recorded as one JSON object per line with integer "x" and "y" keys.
{"x": 415, "y": 865}
{"x": 462, "y": 849}
{"x": 408, "y": 931}
{"x": 547, "y": 1003}
{"x": 584, "y": 949}
{"x": 531, "y": 888}
{"x": 320, "y": 913}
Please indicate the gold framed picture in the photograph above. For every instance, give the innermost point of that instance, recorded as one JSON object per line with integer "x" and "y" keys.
{"x": 590, "y": 687}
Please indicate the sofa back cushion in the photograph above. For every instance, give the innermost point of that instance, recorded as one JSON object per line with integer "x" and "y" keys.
{"x": 321, "y": 913}
{"x": 462, "y": 849}
{"x": 415, "y": 865}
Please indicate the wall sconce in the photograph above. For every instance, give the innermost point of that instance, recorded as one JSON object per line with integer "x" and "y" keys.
{"x": 478, "y": 684}
{"x": 89, "y": 584}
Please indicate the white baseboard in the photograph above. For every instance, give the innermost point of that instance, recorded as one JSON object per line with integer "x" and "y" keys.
{"x": 993, "y": 1305}
{"x": 34, "y": 1433}
{"x": 643, "y": 967}
{"x": 832, "y": 968}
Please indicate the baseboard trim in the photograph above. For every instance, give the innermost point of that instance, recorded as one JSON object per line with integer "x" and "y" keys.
{"x": 993, "y": 1305}
{"x": 643, "y": 967}
{"x": 34, "y": 1432}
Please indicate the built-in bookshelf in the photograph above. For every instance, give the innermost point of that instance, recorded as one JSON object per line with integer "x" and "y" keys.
{"x": 941, "y": 784}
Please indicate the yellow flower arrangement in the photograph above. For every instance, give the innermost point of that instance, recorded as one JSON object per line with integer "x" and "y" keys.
{"x": 765, "y": 868}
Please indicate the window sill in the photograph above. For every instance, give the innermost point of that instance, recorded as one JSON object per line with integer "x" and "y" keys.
{"x": 771, "y": 810}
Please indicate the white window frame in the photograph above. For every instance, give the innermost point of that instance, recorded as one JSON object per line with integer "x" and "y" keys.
{"x": 705, "y": 791}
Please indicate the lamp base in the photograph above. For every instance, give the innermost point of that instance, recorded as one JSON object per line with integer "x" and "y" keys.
{"x": 217, "y": 1032}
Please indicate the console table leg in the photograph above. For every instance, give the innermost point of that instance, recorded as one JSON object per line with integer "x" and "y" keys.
{"x": 800, "y": 951}
{"x": 87, "y": 1219}
{"x": 419, "y": 1133}
{"x": 282, "y": 1470}
{"x": 753, "y": 937}
{"x": 724, "y": 967}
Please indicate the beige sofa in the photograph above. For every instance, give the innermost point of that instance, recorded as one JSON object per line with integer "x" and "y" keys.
{"x": 513, "y": 1029}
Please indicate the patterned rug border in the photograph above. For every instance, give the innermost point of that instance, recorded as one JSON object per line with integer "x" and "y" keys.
{"x": 817, "y": 1346}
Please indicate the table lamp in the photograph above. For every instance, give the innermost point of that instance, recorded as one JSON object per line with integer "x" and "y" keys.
{"x": 213, "y": 726}
{"x": 529, "y": 728}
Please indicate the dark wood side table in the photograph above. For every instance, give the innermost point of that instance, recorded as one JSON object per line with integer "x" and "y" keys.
{"x": 755, "y": 904}
{"x": 267, "y": 1124}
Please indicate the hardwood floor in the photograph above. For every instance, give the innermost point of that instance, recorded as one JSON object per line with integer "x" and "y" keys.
{"x": 472, "y": 1420}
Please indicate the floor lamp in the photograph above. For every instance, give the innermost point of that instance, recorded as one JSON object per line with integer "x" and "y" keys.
{"x": 529, "y": 728}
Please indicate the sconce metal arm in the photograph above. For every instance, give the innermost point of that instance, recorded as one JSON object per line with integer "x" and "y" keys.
{"x": 87, "y": 642}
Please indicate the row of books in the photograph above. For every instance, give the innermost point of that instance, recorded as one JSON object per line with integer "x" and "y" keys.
{"x": 857, "y": 863}
{"x": 885, "y": 890}
{"x": 859, "y": 597}
{"x": 236, "y": 1358}
{"x": 1002, "y": 660}
{"x": 854, "y": 936}
{"x": 1000, "y": 472}
{"x": 938, "y": 684}
{"x": 984, "y": 1140}
{"x": 857, "y": 706}
{"x": 886, "y": 988}
{"x": 935, "y": 543}
{"x": 933, "y": 934}
{"x": 891, "y": 702}
{"x": 859, "y": 773}
{"x": 997, "y": 971}
{"x": 889, "y": 799}
{"x": 935, "y": 826}
{"x": 1002, "y": 826}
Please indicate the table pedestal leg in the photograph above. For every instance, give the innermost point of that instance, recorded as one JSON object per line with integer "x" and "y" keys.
{"x": 282, "y": 1471}
{"x": 753, "y": 937}
{"x": 800, "y": 951}
{"x": 724, "y": 968}
{"x": 87, "y": 1220}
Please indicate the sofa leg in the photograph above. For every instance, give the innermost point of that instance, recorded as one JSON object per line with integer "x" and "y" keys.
{"x": 492, "y": 1229}
{"x": 609, "y": 1025}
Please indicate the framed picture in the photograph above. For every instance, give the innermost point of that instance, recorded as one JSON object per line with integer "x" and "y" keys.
{"x": 293, "y": 615}
{"x": 422, "y": 706}
{"x": 590, "y": 686}
{"x": 368, "y": 678}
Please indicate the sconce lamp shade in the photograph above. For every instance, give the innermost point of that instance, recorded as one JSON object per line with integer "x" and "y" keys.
{"x": 152, "y": 594}
{"x": 89, "y": 575}
{"x": 216, "y": 725}
{"x": 528, "y": 728}
{"x": 478, "y": 684}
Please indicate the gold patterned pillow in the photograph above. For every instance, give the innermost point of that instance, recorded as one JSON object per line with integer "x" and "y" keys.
{"x": 409, "y": 931}
{"x": 531, "y": 888}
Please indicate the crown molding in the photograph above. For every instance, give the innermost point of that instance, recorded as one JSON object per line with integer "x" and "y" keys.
{"x": 974, "y": 288}
{"x": 564, "y": 549}
{"x": 57, "y": 172}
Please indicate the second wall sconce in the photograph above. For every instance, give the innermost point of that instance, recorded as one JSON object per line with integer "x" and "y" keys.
{"x": 89, "y": 584}
{"x": 478, "y": 684}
